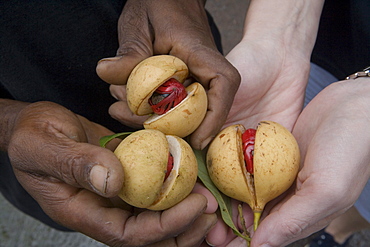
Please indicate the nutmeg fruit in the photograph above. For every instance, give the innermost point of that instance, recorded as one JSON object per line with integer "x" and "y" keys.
{"x": 155, "y": 87}
{"x": 145, "y": 157}
{"x": 275, "y": 159}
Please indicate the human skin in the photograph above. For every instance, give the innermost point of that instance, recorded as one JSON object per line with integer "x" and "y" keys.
{"x": 179, "y": 28}
{"x": 333, "y": 137}
{"x": 56, "y": 157}
{"x": 273, "y": 59}
{"x": 74, "y": 180}
{"x": 331, "y": 132}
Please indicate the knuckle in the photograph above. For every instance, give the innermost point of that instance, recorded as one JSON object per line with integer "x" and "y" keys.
{"x": 134, "y": 47}
{"x": 295, "y": 228}
{"x": 115, "y": 111}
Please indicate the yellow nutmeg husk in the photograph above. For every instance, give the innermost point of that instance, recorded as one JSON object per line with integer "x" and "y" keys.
{"x": 276, "y": 161}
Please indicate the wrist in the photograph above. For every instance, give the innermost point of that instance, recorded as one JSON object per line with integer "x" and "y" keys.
{"x": 290, "y": 24}
{"x": 354, "y": 93}
{"x": 364, "y": 73}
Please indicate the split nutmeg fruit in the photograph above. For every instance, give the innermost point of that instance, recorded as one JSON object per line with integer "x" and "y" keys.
{"x": 155, "y": 86}
{"x": 160, "y": 170}
{"x": 254, "y": 166}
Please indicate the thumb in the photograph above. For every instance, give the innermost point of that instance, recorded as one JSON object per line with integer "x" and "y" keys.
{"x": 91, "y": 167}
{"x": 135, "y": 44}
{"x": 116, "y": 70}
{"x": 297, "y": 218}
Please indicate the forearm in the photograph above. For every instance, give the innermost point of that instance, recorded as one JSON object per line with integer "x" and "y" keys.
{"x": 9, "y": 110}
{"x": 292, "y": 24}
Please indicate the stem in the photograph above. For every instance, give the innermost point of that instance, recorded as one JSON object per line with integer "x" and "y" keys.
{"x": 242, "y": 222}
{"x": 257, "y": 216}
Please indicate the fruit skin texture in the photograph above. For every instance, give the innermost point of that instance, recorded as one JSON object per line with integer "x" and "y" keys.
{"x": 144, "y": 156}
{"x": 143, "y": 165}
{"x": 184, "y": 118}
{"x": 276, "y": 162}
{"x": 180, "y": 182}
{"x": 225, "y": 164}
{"x": 147, "y": 76}
{"x": 151, "y": 73}
{"x": 277, "y": 158}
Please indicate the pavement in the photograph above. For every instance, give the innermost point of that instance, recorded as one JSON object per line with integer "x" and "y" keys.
{"x": 20, "y": 230}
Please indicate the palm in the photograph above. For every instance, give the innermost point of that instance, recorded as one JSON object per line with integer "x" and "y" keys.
{"x": 272, "y": 87}
{"x": 334, "y": 149}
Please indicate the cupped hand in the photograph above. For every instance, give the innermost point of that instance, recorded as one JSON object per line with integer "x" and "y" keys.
{"x": 273, "y": 81}
{"x": 56, "y": 158}
{"x": 272, "y": 88}
{"x": 178, "y": 28}
{"x": 334, "y": 142}
{"x": 333, "y": 135}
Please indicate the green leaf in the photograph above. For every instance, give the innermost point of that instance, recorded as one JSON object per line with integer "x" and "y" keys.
{"x": 105, "y": 139}
{"x": 223, "y": 201}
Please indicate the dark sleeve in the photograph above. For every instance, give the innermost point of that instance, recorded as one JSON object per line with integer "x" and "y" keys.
{"x": 343, "y": 41}
{"x": 49, "y": 51}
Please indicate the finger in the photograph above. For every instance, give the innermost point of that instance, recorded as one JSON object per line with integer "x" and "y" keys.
{"x": 212, "y": 204}
{"x": 221, "y": 234}
{"x": 194, "y": 44}
{"x": 87, "y": 166}
{"x": 237, "y": 242}
{"x": 221, "y": 81}
{"x": 94, "y": 132}
{"x": 194, "y": 236}
{"x": 204, "y": 244}
{"x": 90, "y": 214}
{"x": 230, "y": 240}
{"x": 198, "y": 231}
{"x": 171, "y": 223}
{"x": 135, "y": 44}
{"x": 81, "y": 165}
{"x": 218, "y": 234}
{"x": 121, "y": 112}
{"x": 74, "y": 208}
{"x": 118, "y": 92}
{"x": 295, "y": 219}
{"x": 50, "y": 142}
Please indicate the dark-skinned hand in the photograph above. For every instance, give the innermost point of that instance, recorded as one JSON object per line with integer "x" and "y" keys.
{"x": 179, "y": 28}
{"x": 56, "y": 157}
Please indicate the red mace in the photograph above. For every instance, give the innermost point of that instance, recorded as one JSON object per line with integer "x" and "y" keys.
{"x": 167, "y": 96}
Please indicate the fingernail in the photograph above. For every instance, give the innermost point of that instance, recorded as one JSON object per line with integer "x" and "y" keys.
{"x": 208, "y": 243}
{"x": 213, "y": 218}
{"x": 110, "y": 59}
{"x": 265, "y": 245}
{"x": 99, "y": 178}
